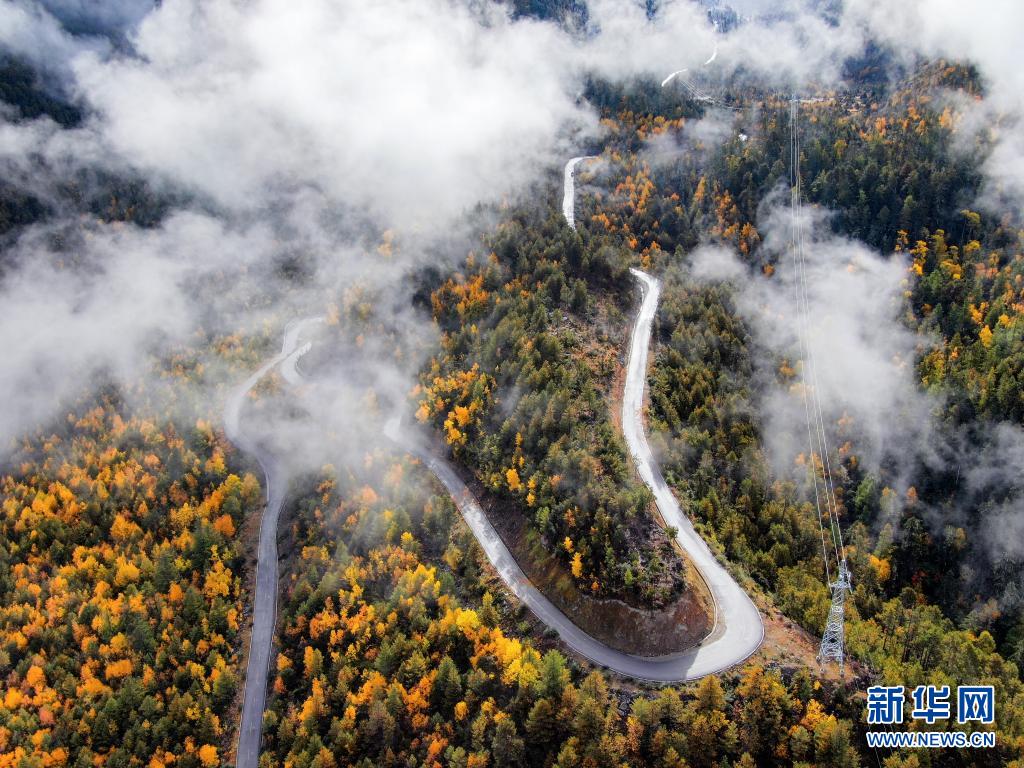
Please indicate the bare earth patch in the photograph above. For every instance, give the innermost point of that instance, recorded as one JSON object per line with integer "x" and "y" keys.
{"x": 674, "y": 628}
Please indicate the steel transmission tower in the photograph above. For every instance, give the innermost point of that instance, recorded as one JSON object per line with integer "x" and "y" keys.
{"x": 832, "y": 640}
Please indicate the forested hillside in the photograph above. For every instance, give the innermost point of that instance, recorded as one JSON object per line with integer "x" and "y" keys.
{"x": 122, "y": 593}
{"x": 129, "y": 523}
{"x": 520, "y": 391}
{"x": 963, "y": 297}
{"x": 488, "y": 708}
{"x": 705, "y": 386}
{"x": 395, "y": 652}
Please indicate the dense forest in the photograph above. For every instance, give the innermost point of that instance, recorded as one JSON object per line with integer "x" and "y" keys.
{"x": 121, "y": 591}
{"x": 445, "y": 693}
{"x": 520, "y": 391}
{"x": 126, "y": 527}
{"x": 396, "y": 652}
{"x": 963, "y": 296}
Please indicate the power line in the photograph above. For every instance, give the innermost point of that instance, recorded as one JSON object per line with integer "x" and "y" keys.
{"x": 811, "y": 378}
{"x": 801, "y": 335}
{"x": 833, "y": 638}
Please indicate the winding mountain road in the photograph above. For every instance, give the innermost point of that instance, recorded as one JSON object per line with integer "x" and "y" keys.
{"x": 737, "y": 631}
{"x": 264, "y": 612}
{"x": 569, "y": 193}
{"x": 667, "y": 80}
{"x": 690, "y": 88}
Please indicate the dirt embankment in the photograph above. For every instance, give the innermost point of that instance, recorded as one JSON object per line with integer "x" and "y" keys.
{"x": 640, "y": 631}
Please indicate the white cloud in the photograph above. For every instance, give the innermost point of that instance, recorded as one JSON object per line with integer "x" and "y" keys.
{"x": 985, "y": 33}
{"x": 413, "y": 111}
{"x": 130, "y": 293}
{"x": 863, "y": 354}
{"x": 100, "y": 16}
{"x": 715, "y": 262}
{"x": 29, "y": 32}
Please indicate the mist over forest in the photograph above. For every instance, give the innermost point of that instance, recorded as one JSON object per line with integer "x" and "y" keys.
{"x": 301, "y": 276}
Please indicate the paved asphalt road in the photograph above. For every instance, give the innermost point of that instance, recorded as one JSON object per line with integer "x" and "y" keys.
{"x": 264, "y": 614}
{"x": 569, "y": 190}
{"x": 738, "y": 630}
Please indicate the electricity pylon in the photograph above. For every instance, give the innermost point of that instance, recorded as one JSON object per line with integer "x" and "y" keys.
{"x": 832, "y": 640}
